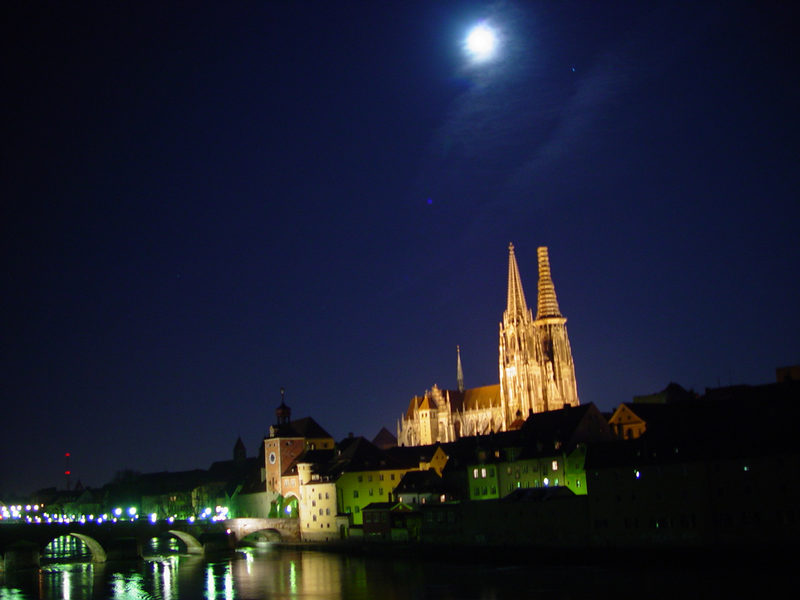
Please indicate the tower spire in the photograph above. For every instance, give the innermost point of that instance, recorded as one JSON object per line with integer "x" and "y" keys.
{"x": 459, "y": 371}
{"x": 548, "y": 304}
{"x": 283, "y": 414}
{"x": 516, "y": 305}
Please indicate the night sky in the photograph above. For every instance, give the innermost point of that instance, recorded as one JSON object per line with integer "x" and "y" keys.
{"x": 203, "y": 203}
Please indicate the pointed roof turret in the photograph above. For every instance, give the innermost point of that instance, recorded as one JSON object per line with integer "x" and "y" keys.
{"x": 239, "y": 451}
{"x": 548, "y": 304}
{"x": 459, "y": 371}
{"x": 283, "y": 413}
{"x": 516, "y": 305}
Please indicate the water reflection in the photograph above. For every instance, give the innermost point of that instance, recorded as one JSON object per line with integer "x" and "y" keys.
{"x": 264, "y": 574}
{"x": 219, "y": 581}
{"x": 66, "y": 548}
{"x": 295, "y": 573}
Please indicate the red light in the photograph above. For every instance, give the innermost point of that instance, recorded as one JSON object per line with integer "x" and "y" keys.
{"x": 66, "y": 454}
{"x": 67, "y": 472}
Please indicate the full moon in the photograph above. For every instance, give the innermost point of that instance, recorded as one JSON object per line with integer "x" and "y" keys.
{"x": 481, "y": 42}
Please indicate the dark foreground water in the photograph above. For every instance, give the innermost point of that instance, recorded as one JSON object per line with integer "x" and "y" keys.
{"x": 289, "y": 573}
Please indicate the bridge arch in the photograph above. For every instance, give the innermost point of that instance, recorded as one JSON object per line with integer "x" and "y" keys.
{"x": 290, "y": 507}
{"x": 193, "y": 545}
{"x": 267, "y": 535}
{"x": 99, "y": 554}
{"x": 266, "y": 529}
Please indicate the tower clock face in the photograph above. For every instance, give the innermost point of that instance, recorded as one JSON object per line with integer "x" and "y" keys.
{"x": 272, "y": 458}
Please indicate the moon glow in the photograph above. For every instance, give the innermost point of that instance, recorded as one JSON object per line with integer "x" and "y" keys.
{"x": 481, "y": 42}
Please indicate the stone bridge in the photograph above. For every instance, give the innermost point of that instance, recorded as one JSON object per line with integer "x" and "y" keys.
{"x": 21, "y": 544}
{"x": 266, "y": 529}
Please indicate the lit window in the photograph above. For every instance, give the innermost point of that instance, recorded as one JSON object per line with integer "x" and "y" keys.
{"x": 555, "y": 465}
{"x": 475, "y": 473}
{"x": 483, "y": 473}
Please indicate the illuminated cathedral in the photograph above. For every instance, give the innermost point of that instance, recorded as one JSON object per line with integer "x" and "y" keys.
{"x": 536, "y": 373}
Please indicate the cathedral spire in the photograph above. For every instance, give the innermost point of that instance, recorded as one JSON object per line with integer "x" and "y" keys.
{"x": 459, "y": 371}
{"x": 548, "y": 304}
{"x": 516, "y": 305}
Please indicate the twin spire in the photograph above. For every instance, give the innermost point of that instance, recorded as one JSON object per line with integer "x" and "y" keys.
{"x": 547, "y": 305}
{"x": 515, "y": 305}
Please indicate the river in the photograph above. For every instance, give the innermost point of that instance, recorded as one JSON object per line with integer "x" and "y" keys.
{"x": 168, "y": 574}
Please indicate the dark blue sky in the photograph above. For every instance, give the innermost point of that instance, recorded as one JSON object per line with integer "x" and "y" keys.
{"x": 203, "y": 203}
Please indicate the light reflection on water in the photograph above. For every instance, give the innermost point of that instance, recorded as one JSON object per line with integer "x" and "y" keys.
{"x": 295, "y": 573}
